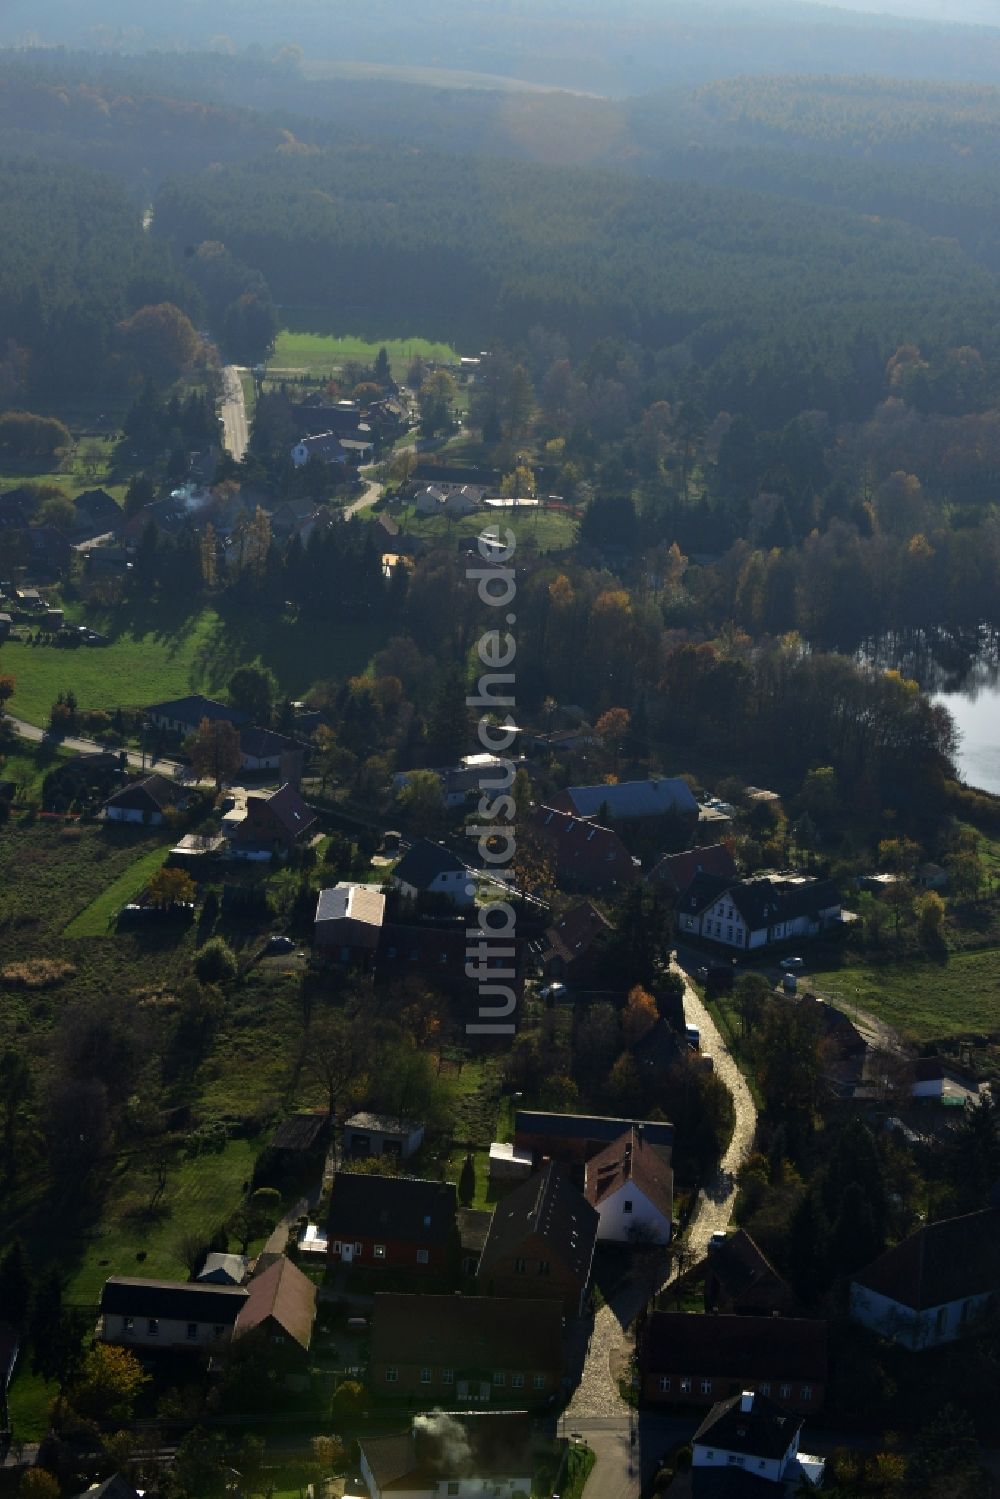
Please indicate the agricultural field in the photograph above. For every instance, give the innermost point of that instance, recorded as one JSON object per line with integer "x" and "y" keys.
{"x": 323, "y": 353}
{"x": 156, "y": 654}
{"x": 923, "y": 998}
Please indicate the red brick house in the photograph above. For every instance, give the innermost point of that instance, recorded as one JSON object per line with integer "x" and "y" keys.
{"x": 393, "y": 1222}
{"x": 541, "y": 1242}
{"x": 275, "y": 823}
{"x": 676, "y": 871}
{"x": 587, "y": 856}
{"x": 689, "y": 1359}
{"x": 572, "y": 944}
{"x": 466, "y": 1350}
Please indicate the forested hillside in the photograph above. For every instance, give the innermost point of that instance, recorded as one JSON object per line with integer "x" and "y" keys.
{"x": 468, "y": 250}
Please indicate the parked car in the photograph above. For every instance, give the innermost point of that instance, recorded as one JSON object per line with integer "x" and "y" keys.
{"x": 693, "y": 1037}
{"x": 278, "y": 944}
{"x": 553, "y": 991}
{"x": 790, "y": 964}
{"x": 714, "y": 1240}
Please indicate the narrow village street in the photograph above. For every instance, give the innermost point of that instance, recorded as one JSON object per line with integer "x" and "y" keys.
{"x": 597, "y": 1409}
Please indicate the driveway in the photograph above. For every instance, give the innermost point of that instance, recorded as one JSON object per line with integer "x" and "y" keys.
{"x": 372, "y": 492}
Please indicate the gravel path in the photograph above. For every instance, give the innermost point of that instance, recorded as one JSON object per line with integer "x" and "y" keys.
{"x": 597, "y": 1395}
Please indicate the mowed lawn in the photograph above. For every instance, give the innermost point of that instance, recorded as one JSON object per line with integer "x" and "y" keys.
{"x": 154, "y": 658}
{"x": 97, "y": 919}
{"x": 921, "y": 998}
{"x": 321, "y": 353}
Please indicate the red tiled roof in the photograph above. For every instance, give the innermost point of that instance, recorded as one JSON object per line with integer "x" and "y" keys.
{"x": 940, "y": 1263}
{"x": 629, "y": 1158}
{"x": 678, "y": 870}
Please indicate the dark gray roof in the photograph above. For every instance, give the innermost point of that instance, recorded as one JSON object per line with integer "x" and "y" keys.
{"x": 942, "y": 1262}
{"x": 194, "y": 708}
{"x": 764, "y": 1431}
{"x": 261, "y": 743}
{"x": 115, "y": 1487}
{"x": 155, "y": 793}
{"x": 400, "y": 1207}
{"x": 634, "y": 799}
{"x": 129, "y": 1296}
{"x": 300, "y": 1132}
{"x": 549, "y": 1207}
{"x": 424, "y": 861}
{"x": 480, "y": 1332}
{"x": 734, "y": 1347}
{"x": 762, "y": 902}
{"x": 598, "y": 1127}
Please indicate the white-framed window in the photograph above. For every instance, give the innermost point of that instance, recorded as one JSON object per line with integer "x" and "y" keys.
{"x": 425, "y": 1376}
{"x": 447, "y": 1376}
{"x": 358, "y": 1247}
{"x": 517, "y": 1381}
{"x": 538, "y": 1381}
{"x": 519, "y": 1267}
{"x": 152, "y": 1326}
{"x": 664, "y": 1384}
{"x": 391, "y": 1375}
{"x": 627, "y": 1205}
{"x": 192, "y": 1331}
{"x": 762, "y": 1463}
{"x": 706, "y": 1387}
{"x": 544, "y": 1267}
{"x": 807, "y": 1392}
{"x": 736, "y": 1461}
{"x": 128, "y": 1323}
{"x": 499, "y": 1378}
{"x": 786, "y": 1391}
{"x": 218, "y": 1330}
{"x": 685, "y": 1386}
{"x": 423, "y": 1256}
{"x": 765, "y": 1388}
{"x": 335, "y": 1246}
{"x": 710, "y": 1454}
{"x": 379, "y": 1251}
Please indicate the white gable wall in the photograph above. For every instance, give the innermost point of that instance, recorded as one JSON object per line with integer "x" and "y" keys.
{"x": 627, "y": 1214}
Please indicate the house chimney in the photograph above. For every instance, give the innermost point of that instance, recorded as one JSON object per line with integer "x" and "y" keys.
{"x": 746, "y": 1402}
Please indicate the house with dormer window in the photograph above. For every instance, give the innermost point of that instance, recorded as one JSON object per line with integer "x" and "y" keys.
{"x": 746, "y": 915}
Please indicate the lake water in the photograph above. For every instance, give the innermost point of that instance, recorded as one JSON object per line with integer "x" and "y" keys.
{"x": 962, "y": 671}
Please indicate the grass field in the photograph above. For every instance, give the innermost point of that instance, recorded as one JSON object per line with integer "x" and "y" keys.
{"x": 156, "y": 653}
{"x": 85, "y": 467}
{"x": 921, "y": 998}
{"x": 97, "y": 919}
{"x": 548, "y": 530}
{"x": 322, "y": 353}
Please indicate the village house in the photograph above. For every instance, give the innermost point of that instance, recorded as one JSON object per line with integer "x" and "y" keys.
{"x": 572, "y": 944}
{"x": 687, "y": 1358}
{"x": 96, "y": 513}
{"x": 316, "y": 418}
{"x": 749, "y": 914}
{"x": 572, "y": 1139}
{"x": 147, "y": 801}
{"x": 450, "y": 1454}
{"x": 393, "y": 1223}
{"x": 321, "y": 447}
{"x": 541, "y": 1242}
{"x": 280, "y": 1307}
{"x": 740, "y": 1279}
{"x": 115, "y": 1487}
{"x": 167, "y": 1314}
{"x": 263, "y": 749}
{"x": 365, "y": 1134}
{"x": 933, "y": 1286}
{"x": 466, "y": 1350}
{"x": 452, "y": 500}
{"x": 586, "y": 856}
{"x": 755, "y": 1440}
{"x": 674, "y": 872}
{"x": 429, "y": 868}
{"x": 275, "y": 822}
{"x": 296, "y": 1149}
{"x": 630, "y": 801}
{"x": 632, "y": 1190}
{"x": 438, "y": 953}
{"x": 185, "y": 715}
{"x": 348, "y": 924}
